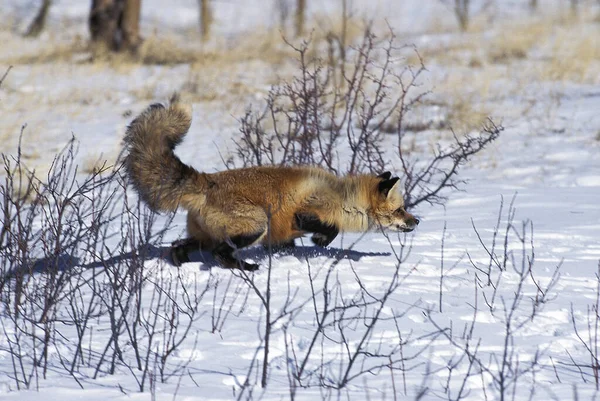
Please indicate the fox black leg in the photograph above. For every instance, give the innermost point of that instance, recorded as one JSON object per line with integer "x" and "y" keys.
{"x": 323, "y": 233}
{"x": 180, "y": 250}
{"x": 223, "y": 252}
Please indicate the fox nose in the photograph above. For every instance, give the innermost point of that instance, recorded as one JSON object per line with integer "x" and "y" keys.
{"x": 417, "y": 221}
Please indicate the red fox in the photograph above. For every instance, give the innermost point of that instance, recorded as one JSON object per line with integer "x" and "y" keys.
{"x": 267, "y": 205}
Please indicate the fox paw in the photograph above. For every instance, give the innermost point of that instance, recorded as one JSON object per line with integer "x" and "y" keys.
{"x": 179, "y": 256}
{"x": 249, "y": 267}
{"x": 321, "y": 239}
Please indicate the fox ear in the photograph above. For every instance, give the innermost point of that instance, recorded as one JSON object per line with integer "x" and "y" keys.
{"x": 386, "y": 185}
{"x": 386, "y": 175}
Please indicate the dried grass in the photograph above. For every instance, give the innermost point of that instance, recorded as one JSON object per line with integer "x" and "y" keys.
{"x": 574, "y": 56}
{"x": 515, "y": 40}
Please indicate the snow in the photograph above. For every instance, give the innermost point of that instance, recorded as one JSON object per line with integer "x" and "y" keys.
{"x": 546, "y": 160}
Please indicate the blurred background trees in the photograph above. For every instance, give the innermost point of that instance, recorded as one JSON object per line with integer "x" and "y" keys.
{"x": 461, "y": 9}
{"x": 206, "y": 18}
{"x": 36, "y": 27}
{"x": 115, "y": 24}
{"x": 300, "y": 17}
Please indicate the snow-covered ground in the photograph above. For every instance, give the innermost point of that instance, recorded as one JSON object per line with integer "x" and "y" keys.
{"x": 442, "y": 331}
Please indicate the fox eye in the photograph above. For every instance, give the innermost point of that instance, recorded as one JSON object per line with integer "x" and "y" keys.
{"x": 400, "y": 210}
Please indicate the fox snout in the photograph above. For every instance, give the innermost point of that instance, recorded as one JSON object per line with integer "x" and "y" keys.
{"x": 406, "y": 222}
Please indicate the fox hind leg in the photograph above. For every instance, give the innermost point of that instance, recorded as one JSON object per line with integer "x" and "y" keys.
{"x": 198, "y": 239}
{"x": 224, "y": 252}
{"x": 234, "y": 229}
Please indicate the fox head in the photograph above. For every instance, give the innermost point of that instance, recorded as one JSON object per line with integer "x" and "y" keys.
{"x": 388, "y": 205}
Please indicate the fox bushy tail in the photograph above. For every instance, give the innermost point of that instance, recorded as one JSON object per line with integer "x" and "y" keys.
{"x": 160, "y": 178}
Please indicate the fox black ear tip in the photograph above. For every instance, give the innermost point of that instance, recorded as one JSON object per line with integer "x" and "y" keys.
{"x": 386, "y": 185}
{"x": 385, "y": 175}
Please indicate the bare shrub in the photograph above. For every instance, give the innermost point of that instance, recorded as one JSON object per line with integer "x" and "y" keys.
{"x": 44, "y": 224}
{"x": 588, "y": 337}
{"x": 510, "y": 271}
{"x": 427, "y": 181}
{"x": 73, "y": 252}
{"x": 348, "y": 317}
{"x": 314, "y": 115}
{"x": 150, "y": 312}
{"x": 336, "y": 116}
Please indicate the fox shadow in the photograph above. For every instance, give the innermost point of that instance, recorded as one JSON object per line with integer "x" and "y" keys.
{"x": 260, "y": 255}
{"x": 64, "y": 262}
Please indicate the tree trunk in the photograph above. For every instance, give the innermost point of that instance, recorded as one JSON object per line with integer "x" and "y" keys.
{"x": 104, "y": 22}
{"x": 39, "y": 21}
{"x": 206, "y": 18}
{"x": 130, "y": 25}
{"x": 533, "y": 4}
{"x": 115, "y": 24}
{"x": 574, "y": 6}
{"x": 284, "y": 12}
{"x": 461, "y": 9}
{"x": 300, "y": 16}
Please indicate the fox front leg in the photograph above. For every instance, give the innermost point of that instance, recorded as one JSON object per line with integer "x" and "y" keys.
{"x": 323, "y": 233}
{"x": 180, "y": 250}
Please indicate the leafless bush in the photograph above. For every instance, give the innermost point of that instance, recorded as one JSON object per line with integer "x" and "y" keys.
{"x": 589, "y": 339}
{"x": 73, "y": 252}
{"x": 230, "y": 298}
{"x": 428, "y": 181}
{"x": 149, "y": 312}
{"x": 333, "y": 317}
{"x": 43, "y": 226}
{"x": 334, "y": 114}
{"x": 312, "y": 118}
{"x": 511, "y": 265}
